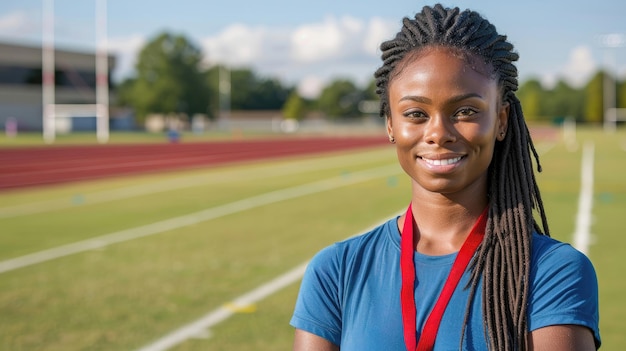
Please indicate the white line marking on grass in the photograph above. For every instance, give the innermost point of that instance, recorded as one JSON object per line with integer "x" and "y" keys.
{"x": 201, "y": 326}
{"x": 197, "y": 217}
{"x": 585, "y": 200}
{"x": 293, "y": 167}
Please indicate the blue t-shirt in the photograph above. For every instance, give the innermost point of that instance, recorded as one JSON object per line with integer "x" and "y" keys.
{"x": 350, "y": 293}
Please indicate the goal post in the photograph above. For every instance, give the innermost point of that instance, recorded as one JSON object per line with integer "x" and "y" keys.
{"x": 58, "y": 116}
{"x": 612, "y": 116}
{"x": 51, "y": 110}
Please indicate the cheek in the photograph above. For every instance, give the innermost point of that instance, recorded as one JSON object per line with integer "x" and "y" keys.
{"x": 483, "y": 146}
{"x": 479, "y": 134}
{"x": 404, "y": 131}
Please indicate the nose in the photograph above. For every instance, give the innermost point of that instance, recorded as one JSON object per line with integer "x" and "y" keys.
{"x": 439, "y": 131}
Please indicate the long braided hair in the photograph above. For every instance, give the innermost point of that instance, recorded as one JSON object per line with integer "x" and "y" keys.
{"x": 503, "y": 259}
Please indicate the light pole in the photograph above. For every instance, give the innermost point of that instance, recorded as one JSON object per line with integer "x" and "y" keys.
{"x": 224, "y": 89}
{"x": 610, "y": 42}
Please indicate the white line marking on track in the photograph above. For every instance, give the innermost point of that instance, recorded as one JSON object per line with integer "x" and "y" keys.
{"x": 197, "y": 217}
{"x": 293, "y": 167}
{"x": 585, "y": 201}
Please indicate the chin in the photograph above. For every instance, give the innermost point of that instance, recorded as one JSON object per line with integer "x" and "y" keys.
{"x": 440, "y": 187}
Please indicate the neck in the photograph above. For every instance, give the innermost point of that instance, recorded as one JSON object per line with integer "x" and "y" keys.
{"x": 442, "y": 224}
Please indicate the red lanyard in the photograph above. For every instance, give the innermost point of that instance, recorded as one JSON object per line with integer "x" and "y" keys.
{"x": 407, "y": 267}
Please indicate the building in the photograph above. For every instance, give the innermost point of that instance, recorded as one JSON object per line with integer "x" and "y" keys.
{"x": 21, "y": 84}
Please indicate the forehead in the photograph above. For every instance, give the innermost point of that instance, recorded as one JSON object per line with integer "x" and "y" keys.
{"x": 474, "y": 61}
{"x": 442, "y": 67}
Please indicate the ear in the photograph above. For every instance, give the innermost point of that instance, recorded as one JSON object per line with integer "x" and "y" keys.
{"x": 503, "y": 120}
{"x": 389, "y": 126}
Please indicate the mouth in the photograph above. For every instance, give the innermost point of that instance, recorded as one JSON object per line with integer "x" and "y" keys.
{"x": 442, "y": 162}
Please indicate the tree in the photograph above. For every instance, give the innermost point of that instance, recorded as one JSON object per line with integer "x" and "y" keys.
{"x": 564, "y": 101}
{"x": 294, "y": 107}
{"x": 125, "y": 92}
{"x": 369, "y": 92}
{"x": 270, "y": 94}
{"x": 530, "y": 94}
{"x": 621, "y": 94}
{"x": 340, "y": 99}
{"x": 250, "y": 92}
{"x": 168, "y": 78}
{"x": 369, "y": 103}
{"x": 594, "y": 105}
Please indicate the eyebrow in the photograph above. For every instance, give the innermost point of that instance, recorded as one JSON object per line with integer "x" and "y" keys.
{"x": 454, "y": 99}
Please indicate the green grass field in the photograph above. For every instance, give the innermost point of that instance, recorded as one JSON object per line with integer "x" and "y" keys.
{"x": 222, "y": 232}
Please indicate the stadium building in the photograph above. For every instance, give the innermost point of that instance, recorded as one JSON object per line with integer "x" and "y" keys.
{"x": 21, "y": 86}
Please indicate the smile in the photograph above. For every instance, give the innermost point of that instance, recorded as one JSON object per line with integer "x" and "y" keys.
{"x": 442, "y": 162}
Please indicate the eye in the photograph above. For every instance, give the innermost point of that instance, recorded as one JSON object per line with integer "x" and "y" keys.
{"x": 465, "y": 112}
{"x": 415, "y": 114}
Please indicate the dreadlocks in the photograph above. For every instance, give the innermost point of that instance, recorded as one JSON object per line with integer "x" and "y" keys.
{"x": 503, "y": 259}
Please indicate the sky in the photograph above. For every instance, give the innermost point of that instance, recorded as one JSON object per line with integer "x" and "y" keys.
{"x": 309, "y": 43}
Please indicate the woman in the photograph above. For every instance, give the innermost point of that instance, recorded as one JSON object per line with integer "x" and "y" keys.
{"x": 467, "y": 266}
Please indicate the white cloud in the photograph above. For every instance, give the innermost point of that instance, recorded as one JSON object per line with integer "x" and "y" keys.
{"x": 236, "y": 45}
{"x": 332, "y": 39}
{"x": 549, "y": 80}
{"x": 13, "y": 21}
{"x": 310, "y": 86}
{"x": 309, "y": 55}
{"x": 26, "y": 26}
{"x": 576, "y": 71}
{"x": 126, "y": 51}
{"x": 579, "y": 67}
{"x": 378, "y": 30}
{"x": 18, "y": 25}
{"x": 316, "y": 42}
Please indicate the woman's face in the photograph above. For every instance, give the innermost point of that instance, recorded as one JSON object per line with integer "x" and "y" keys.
{"x": 445, "y": 118}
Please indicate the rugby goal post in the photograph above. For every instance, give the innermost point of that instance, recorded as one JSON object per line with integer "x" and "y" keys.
{"x": 51, "y": 110}
{"x": 612, "y": 116}
{"x": 610, "y": 42}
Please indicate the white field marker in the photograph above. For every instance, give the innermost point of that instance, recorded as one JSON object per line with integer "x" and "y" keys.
{"x": 273, "y": 170}
{"x": 583, "y": 218}
{"x": 202, "y": 325}
{"x": 197, "y": 217}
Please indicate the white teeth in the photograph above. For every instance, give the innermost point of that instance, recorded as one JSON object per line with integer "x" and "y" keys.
{"x": 444, "y": 162}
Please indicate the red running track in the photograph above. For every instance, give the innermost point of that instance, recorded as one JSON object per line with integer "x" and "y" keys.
{"x": 37, "y": 166}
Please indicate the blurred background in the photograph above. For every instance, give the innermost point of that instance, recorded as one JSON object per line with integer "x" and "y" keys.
{"x": 198, "y": 240}
{"x": 249, "y": 64}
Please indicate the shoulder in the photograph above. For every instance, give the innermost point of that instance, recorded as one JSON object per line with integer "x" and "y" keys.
{"x": 563, "y": 286}
{"x": 341, "y": 253}
{"x": 556, "y": 264}
{"x": 551, "y": 254}
{"x": 320, "y": 305}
